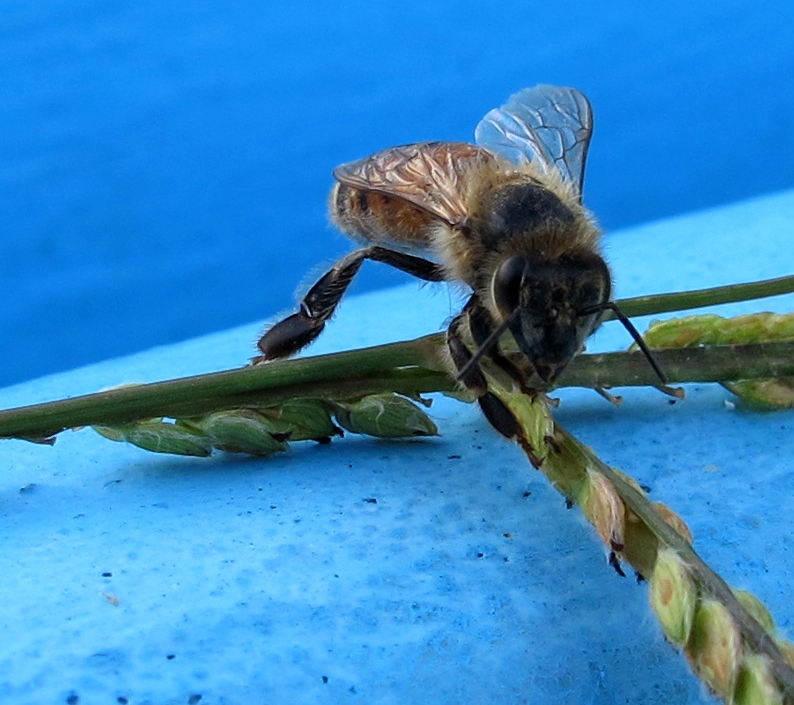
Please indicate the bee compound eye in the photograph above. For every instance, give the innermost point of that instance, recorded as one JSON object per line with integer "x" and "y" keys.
{"x": 507, "y": 282}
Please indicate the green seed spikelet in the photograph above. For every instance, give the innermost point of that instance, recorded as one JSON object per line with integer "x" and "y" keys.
{"x": 384, "y": 416}
{"x": 710, "y": 329}
{"x": 673, "y": 596}
{"x": 160, "y": 436}
{"x": 755, "y": 684}
{"x": 757, "y": 610}
{"x": 301, "y": 420}
{"x": 714, "y": 646}
{"x": 266, "y": 431}
{"x": 240, "y": 431}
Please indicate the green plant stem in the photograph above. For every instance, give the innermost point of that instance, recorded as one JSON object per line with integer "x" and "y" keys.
{"x": 411, "y": 367}
{"x": 714, "y": 363}
{"x": 416, "y": 366}
{"x": 382, "y": 368}
{"x": 698, "y": 298}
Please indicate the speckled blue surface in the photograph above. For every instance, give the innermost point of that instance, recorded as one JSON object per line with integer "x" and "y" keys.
{"x": 164, "y": 166}
{"x": 466, "y": 580}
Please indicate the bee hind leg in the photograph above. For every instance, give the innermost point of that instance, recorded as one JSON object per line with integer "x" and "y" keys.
{"x": 289, "y": 335}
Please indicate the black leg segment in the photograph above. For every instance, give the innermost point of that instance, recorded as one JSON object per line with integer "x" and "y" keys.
{"x": 482, "y": 325}
{"x": 473, "y": 379}
{"x": 288, "y": 336}
{"x": 498, "y": 415}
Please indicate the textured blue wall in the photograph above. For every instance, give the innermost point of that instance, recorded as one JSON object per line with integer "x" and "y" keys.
{"x": 164, "y": 166}
{"x": 441, "y": 570}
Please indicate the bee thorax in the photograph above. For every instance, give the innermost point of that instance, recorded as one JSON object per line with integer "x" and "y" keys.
{"x": 520, "y": 208}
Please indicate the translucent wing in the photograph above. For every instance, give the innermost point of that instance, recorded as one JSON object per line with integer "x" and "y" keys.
{"x": 547, "y": 125}
{"x": 431, "y": 175}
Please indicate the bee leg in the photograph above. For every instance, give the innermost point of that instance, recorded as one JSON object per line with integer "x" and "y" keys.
{"x": 497, "y": 413}
{"x": 473, "y": 379}
{"x": 499, "y": 416}
{"x": 415, "y": 266}
{"x": 481, "y": 325}
{"x": 288, "y": 336}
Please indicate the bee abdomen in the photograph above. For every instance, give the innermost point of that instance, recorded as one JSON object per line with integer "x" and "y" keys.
{"x": 376, "y": 217}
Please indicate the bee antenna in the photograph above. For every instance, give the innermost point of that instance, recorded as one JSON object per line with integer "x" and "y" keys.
{"x": 487, "y": 344}
{"x": 634, "y": 333}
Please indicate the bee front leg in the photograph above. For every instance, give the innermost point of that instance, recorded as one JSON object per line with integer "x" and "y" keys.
{"x": 497, "y": 413}
{"x": 481, "y": 325}
{"x": 288, "y": 336}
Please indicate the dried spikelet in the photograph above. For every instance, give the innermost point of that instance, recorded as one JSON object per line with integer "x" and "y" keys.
{"x": 674, "y": 521}
{"x": 604, "y": 508}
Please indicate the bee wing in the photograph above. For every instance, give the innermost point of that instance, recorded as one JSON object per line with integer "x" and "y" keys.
{"x": 431, "y": 175}
{"x": 547, "y": 125}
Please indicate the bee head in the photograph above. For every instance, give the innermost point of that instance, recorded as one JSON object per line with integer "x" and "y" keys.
{"x": 551, "y": 307}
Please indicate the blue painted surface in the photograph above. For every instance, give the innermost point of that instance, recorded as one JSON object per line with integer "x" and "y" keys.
{"x": 245, "y": 581}
{"x": 164, "y": 166}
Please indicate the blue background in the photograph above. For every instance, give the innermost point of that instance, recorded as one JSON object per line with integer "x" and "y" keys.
{"x": 156, "y": 579}
{"x": 164, "y": 166}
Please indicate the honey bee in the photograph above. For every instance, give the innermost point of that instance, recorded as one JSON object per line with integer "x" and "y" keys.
{"x": 505, "y": 217}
